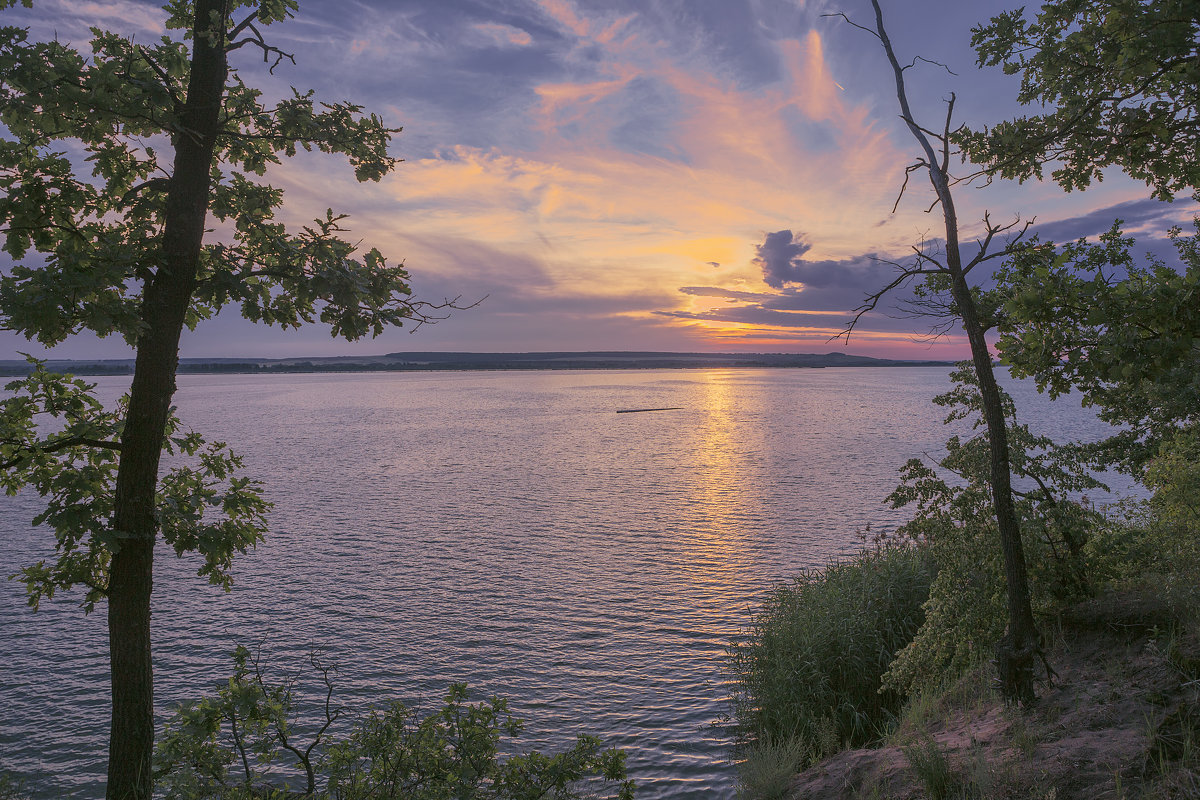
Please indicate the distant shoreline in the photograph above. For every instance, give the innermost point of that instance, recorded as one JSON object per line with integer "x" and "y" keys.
{"x": 476, "y": 362}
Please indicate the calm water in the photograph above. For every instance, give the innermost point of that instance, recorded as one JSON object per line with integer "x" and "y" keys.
{"x": 506, "y": 529}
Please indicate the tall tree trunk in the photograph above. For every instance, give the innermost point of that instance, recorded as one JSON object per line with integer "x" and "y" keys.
{"x": 165, "y": 302}
{"x": 1017, "y": 651}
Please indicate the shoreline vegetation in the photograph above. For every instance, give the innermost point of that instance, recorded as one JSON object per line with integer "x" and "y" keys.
{"x": 456, "y": 361}
{"x": 1119, "y": 716}
{"x": 874, "y": 678}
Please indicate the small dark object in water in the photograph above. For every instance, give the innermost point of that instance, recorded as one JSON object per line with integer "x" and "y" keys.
{"x": 640, "y": 410}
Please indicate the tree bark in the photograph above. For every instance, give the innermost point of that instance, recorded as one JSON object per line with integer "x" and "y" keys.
{"x": 1017, "y": 651}
{"x": 165, "y": 303}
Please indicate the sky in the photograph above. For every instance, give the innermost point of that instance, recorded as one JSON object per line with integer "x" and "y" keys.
{"x": 684, "y": 175}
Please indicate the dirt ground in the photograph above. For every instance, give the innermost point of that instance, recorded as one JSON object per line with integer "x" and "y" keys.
{"x": 1120, "y": 720}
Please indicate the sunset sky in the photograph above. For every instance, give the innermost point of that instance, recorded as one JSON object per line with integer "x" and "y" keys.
{"x": 691, "y": 175}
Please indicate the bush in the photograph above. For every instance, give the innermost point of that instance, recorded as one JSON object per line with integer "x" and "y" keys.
{"x": 240, "y": 743}
{"x": 967, "y": 611}
{"x": 810, "y": 669}
{"x": 11, "y": 788}
{"x": 1158, "y": 540}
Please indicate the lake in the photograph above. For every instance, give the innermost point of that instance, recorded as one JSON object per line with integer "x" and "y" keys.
{"x": 507, "y": 529}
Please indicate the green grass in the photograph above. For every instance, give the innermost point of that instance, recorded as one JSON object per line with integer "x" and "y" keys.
{"x": 932, "y": 766}
{"x": 768, "y": 769}
{"x": 810, "y": 670}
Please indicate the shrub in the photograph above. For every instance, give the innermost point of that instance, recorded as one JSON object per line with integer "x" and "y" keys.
{"x": 241, "y": 742}
{"x": 810, "y": 669}
{"x": 1158, "y": 540}
{"x": 967, "y": 612}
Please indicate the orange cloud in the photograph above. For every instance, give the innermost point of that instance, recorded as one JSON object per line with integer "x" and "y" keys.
{"x": 601, "y": 220}
{"x": 563, "y": 12}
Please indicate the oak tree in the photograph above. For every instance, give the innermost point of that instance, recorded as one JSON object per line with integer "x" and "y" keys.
{"x": 1119, "y": 82}
{"x": 946, "y": 275}
{"x": 113, "y": 165}
{"x": 1092, "y": 317}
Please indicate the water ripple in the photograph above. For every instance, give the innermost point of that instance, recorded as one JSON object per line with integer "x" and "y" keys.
{"x": 505, "y": 529}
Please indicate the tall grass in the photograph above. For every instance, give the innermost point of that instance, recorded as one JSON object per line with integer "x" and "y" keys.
{"x": 810, "y": 669}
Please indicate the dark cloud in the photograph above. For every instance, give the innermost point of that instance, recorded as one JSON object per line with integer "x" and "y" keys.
{"x": 779, "y": 256}
{"x": 786, "y": 300}
{"x": 1134, "y": 214}
{"x": 812, "y": 293}
{"x": 824, "y": 293}
{"x": 828, "y": 284}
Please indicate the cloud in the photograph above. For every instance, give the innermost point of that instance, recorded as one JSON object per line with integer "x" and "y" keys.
{"x": 822, "y": 283}
{"x": 778, "y": 256}
{"x": 809, "y": 300}
{"x": 500, "y": 35}
{"x": 563, "y": 13}
{"x": 1149, "y": 215}
{"x": 71, "y": 20}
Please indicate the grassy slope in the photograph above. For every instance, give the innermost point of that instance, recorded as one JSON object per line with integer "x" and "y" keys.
{"x": 1121, "y": 720}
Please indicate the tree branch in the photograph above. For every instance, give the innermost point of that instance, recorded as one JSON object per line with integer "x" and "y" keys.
{"x": 258, "y": 41}
{"x": 61, "y": 444}
{"x": 163, "y": 76}
{"x": 911, "y": 168}
{"x": 992, "y": 230}
{"x": 852, "y": 22}
{"x": 872, "y": 300}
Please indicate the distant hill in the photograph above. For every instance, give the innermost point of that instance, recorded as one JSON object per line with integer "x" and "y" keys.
{"x": 414, "y": 362}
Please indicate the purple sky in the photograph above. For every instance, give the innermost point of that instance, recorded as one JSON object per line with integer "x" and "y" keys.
{"x": 699, "y": 175}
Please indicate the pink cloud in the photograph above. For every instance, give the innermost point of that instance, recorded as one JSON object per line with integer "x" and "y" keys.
{"x": 502, "y": 35}
{"x": 564, "y": 13}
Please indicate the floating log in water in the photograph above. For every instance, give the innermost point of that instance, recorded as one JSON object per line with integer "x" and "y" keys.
{"x": 640, "y": 410}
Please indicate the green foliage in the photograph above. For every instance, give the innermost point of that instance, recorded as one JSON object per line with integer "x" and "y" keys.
{"x": 99, "y": 235}
{"x": 87, "y": 239}
{"x": 1159, "y": 538}
{"x": 114, "y": 164}
{"x": 11, "y": 788}
{"x": 809, "y": 672}
{"x": 1122, "y": 80}
{"x": 242, "y": 741}
{"x": 1174, "y": 477}
{"x": 967, "y": 611}
{"x": 1089, "y": 317}
{"x": 58, "y": 439}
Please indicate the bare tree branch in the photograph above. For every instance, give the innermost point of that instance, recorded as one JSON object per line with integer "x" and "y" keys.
{"x": 1010, "y": 247}
{"x": 913, "y": 63}
{"x": 261, "y": 43}
{"x": 906, "y": 273}
{"x": 911, "y": 168}
{"x": 852, "y": 22}
{"x": 945, "y": 137}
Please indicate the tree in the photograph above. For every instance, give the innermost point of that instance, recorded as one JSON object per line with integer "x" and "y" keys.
{"x": 1019, "y": 649}
{"x": 1088, "y": 317}
{"x": 240, "y": 742}
{"x": 171, "y": 134}
{"x": 953, "y": 517}
{"x": 1123, "y": 80}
